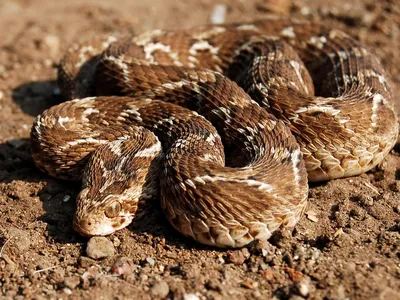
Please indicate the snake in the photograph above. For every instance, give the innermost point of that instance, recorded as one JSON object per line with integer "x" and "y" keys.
{"x": 224, "y": 125}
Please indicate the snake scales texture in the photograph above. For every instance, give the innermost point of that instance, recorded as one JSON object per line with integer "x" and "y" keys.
{"x": 224, "y": 124}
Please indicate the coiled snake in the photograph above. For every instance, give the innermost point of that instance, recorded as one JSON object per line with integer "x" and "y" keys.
{"x": 221, "y": 123}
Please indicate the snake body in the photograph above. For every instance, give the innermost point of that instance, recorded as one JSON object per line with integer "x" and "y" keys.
{"x": 222, "y": 123}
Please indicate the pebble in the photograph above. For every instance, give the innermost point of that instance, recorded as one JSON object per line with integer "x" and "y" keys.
{"x": 160, "y": 289}
{"x": 305, "y": 11}
{"x": 238, "y": 257}
{"x": 256, "y": 294}
{"x": 312, "y": 216}
{"x": 67, "y": 291}
{"x": 53, "y": 42}
{"x": 268, "y": 274}
{"x": 85, "y": 262}
{"x": 366, "y": 200}
{"x": 190, "y": 297}
{"x": 150, "y": 261}
{"x": 298, "y": 252}
{"x": 293, "y": 274}
{"x": 274, "y": 6}
{"x": 221, "y": 258}
{"x": 262, "y": 247}
{"x": 19, "y": 239}
{"x": 338, "y": 233}
{"x": 123, "y": 266}
{"x": 249, "y": 284}
{"x": 99, "y": 247}
{"x": 218, "y": 14}
{"x": 303, "y": 286}
{"x": 213, "y": 284}
{"x": 116, "y": 242}
{"x": 71, "y": 282}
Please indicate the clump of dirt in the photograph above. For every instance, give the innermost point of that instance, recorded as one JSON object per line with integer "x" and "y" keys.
{"x": 346, "y": 246}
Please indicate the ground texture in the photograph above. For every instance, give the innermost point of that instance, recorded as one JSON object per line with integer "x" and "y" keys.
{"x": 347, "y": 246}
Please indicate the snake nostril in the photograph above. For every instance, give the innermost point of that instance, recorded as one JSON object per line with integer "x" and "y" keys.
{"x": 86, "y": 225}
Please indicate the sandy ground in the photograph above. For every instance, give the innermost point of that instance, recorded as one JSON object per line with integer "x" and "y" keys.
{"x": 347, "y": 246}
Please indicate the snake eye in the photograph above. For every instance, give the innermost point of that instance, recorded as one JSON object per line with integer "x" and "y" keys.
{"x": 113, "y": 210}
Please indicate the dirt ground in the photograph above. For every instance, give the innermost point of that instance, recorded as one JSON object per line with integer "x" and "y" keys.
{"x": 347, "y": 246}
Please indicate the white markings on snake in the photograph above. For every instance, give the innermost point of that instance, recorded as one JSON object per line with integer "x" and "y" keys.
{"x": 152, "y": 151}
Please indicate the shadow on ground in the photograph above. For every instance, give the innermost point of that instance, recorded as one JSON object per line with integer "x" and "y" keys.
{"x": 36, "y": 96}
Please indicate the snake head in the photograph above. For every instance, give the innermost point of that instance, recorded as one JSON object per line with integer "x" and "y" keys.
{"x": 118, "y": 177}
{"x": 102, "y": 218}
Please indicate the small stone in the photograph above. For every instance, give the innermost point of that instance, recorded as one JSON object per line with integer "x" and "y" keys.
{"x": 71, "y": 282}
{"x": 99, "y": 247}
{"x": 213, "y": 284}
{"x": 274, "y": 6}
{"x": 20, "y": 240}
{"x": 66, "y": 198}
{"x": 190, "y": 297}
{"x": 293, "y": 274}
{"x": 304, "y": 289}
{"x": 256, "y": 294}
{"x": 314, "y": 253}
{"x": 85, "y": 262}
{"x": 88, "y": 276}
{"x": 53, "y": 42}
{"x": 221, "y": 258}
{"x": 116, "y": 242}
{"x": 150, "y": 261}
{"x": 351, "y": 266}
{"x": 298, "y": 252}
{"x": 338, "y": 233}
{"x": 249, "y": 284}
{"x": 268, "y": 274}
{"x": 57, "y": 275}
{"x": 302, "y": 286}
{"x": 366, "y": 200}
{"x": 305, "y": 11}
{"x": 312, "y": 216}
{"x": 218, "y": 14}
{"x": 144, "y": 277}
{"x": 67, "y": 291}
{"x": 341, "y": 292}
{"x": 238, "y": 257}
{"x": 123, "y": 266}
{"x": 160, "y": 289}
{"x": 262, "y": 247}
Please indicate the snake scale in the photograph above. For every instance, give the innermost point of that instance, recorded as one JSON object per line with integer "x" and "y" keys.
{"x": 224, "y": 124}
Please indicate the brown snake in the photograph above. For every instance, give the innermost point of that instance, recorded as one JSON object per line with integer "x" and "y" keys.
{"x": 169, "y": 109}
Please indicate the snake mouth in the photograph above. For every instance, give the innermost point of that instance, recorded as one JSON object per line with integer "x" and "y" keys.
{"x": 88, "y": 227}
